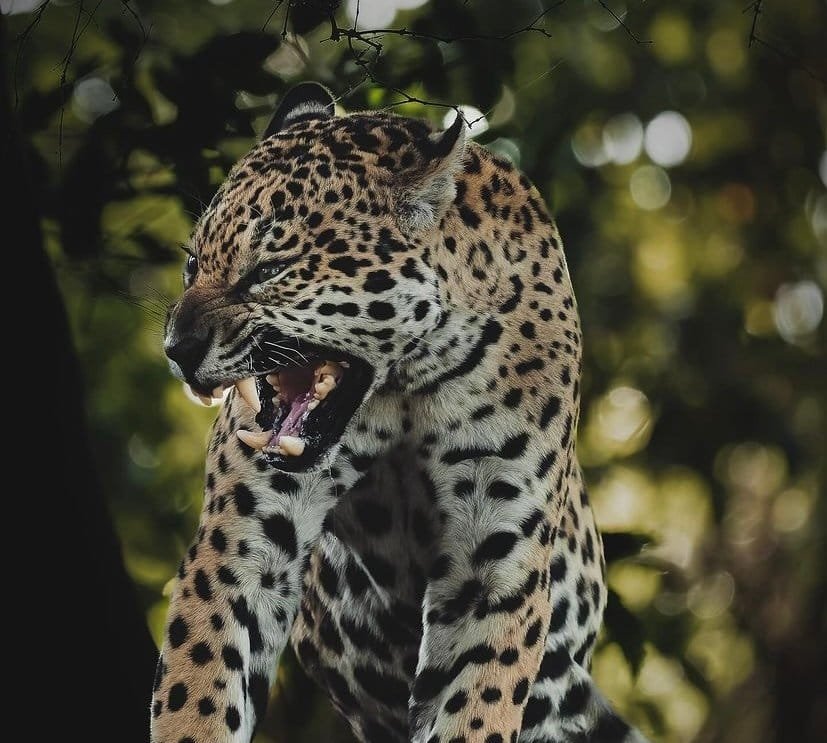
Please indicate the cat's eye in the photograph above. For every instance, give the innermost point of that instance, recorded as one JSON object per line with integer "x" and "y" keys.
{"x": 190, "y": 269}
{"x": 270, "y": 271}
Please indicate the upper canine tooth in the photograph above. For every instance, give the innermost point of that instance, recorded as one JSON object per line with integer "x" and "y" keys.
{"x": 247, "y": 389}
{"x": 292, "y": 445}
{"x": 203, "y": 398}
{"x": 273, "y": 380}
{"x": 256, "y": 440}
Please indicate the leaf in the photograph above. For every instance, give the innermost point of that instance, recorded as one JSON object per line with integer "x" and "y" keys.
{"x": 625, "y": 629}
{"x": 306, "y": 15}
{"x": 618, "y": 545}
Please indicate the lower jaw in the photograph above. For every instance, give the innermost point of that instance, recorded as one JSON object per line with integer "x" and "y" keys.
{"x": 301, "y": 463}
{"x": 303, "y": 410}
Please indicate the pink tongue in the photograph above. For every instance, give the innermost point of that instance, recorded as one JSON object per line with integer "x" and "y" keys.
{"x": 291, "y": 425}
{"x": 296, "y": 391}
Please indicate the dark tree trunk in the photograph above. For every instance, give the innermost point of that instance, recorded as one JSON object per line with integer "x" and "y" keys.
{"x": 90, "y": 649}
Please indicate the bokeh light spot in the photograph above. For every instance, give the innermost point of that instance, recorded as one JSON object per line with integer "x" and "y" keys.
{"x": 12, "y": 7}
{"x": 92, "y": 98}
{"x": 141, "y": 454}
{"x": 507, "y": 148}
{"x": 650, "y": 187}
{"x": 619, "y": 424}
{"x": 798, "y": 310}
{"x": 671, "y": 36}
{"x": 818, "y": 218}
{"x": 587, "y": 146}
{"x": 668, "y": 139}
{"x": 377, "y": 13}
{"x": 603, "y": 20}
{"x": 476, "y": 119}
{"x": 712, "y": 596}
{"x": 725, "y": 51}
{"x": 791, "y": 510}
{"x": 623, "y": 413}
{"x": 623, "y": 138}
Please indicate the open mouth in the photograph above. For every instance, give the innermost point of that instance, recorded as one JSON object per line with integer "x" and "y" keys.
{"x": 303, "y": 407}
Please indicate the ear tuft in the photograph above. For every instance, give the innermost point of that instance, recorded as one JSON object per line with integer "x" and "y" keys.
{"x": 423, "y": 202}
{"x": 305, "y": 99}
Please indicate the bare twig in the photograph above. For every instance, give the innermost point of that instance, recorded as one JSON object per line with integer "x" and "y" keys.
{"x": 286, "y": 19}
{"x": 531, "y": 82}
{"x": 269, "y": 18}
{"x": 530, "y": 27}
{"x": 367, "y": 57}
{"x": 143, "y": 29}
{"x": 757, "y": 8}
{"x": 622, "y": 23}
{"x": 794, "y": 61}
{"x": 22, "y": 37}
{"x": 64, "y": 71}
{"x": 77, "y": 33}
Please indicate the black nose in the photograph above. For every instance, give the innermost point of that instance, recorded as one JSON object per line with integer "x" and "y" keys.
{"x": 188, "y": 353}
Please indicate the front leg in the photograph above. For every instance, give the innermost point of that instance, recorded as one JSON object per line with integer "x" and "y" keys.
{"x": 238, "y": 590}
{"x": 487, "y": 607}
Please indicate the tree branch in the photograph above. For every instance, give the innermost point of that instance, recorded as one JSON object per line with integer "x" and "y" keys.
{"x": 622, "y": 23}
{"x": 793, "y": 60}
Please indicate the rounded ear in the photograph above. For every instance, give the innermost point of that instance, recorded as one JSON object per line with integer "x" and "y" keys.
{"x": 427, "y": 193}
{"x": 305, "y": 99}
{"x": 449, "y": 143}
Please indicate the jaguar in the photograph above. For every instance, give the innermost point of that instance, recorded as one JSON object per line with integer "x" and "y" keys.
{"x": 392, "y": 483}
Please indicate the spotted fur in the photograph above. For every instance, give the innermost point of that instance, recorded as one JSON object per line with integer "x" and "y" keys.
{"x": 440, "y": 573}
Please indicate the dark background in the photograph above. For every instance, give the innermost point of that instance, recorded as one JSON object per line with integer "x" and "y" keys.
{"x": 681, "y": 146}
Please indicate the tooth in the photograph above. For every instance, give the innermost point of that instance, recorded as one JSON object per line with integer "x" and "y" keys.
{"x": 247, "y": 389}
{"x": 273, "y": 380}
{"x": 313, "y": 404}
{"x": 218, "y": 392}
{"x": 292, "y": 445}
{"x": 327, "y": 382}
{"x": 256, "y": 440}
{"x": 330, "y": 367}
{"x": 203, "y": 398}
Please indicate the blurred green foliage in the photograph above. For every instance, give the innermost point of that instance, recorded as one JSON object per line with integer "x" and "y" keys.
{"x": 687, "y": 171}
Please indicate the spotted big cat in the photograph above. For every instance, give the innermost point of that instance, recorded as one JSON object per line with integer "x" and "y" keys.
{"x": 391, "y": 484}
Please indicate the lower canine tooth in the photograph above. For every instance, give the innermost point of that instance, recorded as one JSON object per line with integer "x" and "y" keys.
{"x": 292, "y": 445}
{"x": 313, "y": 404}
{"x": 323, "y": 387}
{"x": 256, "y": 440}
{"x": 247, "y": 389}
